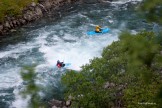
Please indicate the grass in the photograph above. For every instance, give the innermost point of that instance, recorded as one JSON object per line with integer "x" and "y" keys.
{"x": 12, "y": 8}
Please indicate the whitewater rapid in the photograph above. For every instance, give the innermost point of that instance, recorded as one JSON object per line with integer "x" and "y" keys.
{"x": 65, "y": 39}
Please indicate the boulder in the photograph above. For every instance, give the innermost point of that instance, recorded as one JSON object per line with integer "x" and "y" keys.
{"x": 29, "y": 16}
{"x": 47, "y": 5}
{"x": 1, "y": 28}
{"x": 18, "y": 23}
{"x": 13, "y": 30}
{"x": 56, "y": 103}
{"x": 33, "y": 4}
{"x": 14, "y": 23}
{"x": 11, "y": 24}
{"x": 7, "y": 25}
{"x": 60, "y": 104}
{"x": 22, "y": 21}
{"x": 43, "y": 9}
{"x": 68, "y": 103}
{"x": 38, "y": 11}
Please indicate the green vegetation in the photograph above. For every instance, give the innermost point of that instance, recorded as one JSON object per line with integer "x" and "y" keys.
{"x": 12, "y": 8}
{"x": 31, "y": 88}
{"x": 152, "y": 10}
{"x": 127, "y": 75}
{"x": 130, "y": 65}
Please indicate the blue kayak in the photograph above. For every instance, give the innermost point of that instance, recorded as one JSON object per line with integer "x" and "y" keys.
{"x": 67, "y": 64}
{"x": 105, "y": 30}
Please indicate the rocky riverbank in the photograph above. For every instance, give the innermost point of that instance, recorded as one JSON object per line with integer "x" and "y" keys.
{"x": 31, "y": 13}
{"x": 35, "y": 11}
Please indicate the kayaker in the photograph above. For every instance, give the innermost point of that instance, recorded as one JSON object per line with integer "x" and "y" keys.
{"x": 98, "y": 29}
{"x": 60, "y": 64}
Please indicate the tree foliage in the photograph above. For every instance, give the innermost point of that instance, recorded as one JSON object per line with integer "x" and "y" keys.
{"x": 127, "y": 75}
{"x": 31, "y": 88}
{"x": 152, "y": 9}
{"x": 126, "y": 66}
{"x": 12, "y": 8}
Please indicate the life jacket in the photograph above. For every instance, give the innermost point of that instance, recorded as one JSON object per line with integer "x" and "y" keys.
{"x": 59, "y": 65}
{"x": 98, "y": 29}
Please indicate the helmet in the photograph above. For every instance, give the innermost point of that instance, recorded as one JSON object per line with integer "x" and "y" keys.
{"x": 97, "y": 26}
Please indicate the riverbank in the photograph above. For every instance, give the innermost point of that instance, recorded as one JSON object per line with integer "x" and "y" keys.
{"x": 32, "y": 12}
{"x": 46, "y": 40}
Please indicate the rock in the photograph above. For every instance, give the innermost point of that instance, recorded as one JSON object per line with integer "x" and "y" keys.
{"x": 7, "y": 18}
{"x": 105, "y": 1}
{"x": 56, "y": 103}
{"x": 70, "y": 97}
{"x": 108, "y": 85}
{"x": 38, "y": 11}
{"x": 69, "y": 1}
{"x": 94, "y": 1}
{"x": 161, "y": 52}
{"x": 60, "y": 104}
{"x": 42, "y": 7}
{"x": 33, "y": 4}
{"x": 18, "y": 23}
{"x": 41, "y": 1}
{"x": 1, "y": 28}
{"x": 46, "y": 4}
{"x": 14, "y": 22}
{"x": 13, "y": 30}
{"x": 22, "y": 21}
{"x": 31, "y": 8}
{"x": 33, "y": 12}
{"x": 29, "y": 15}
{"x": 68, "y": 103}
{"x": 7, "y": 25}
{"x": 11, "y": 24}
{"x": 90, "y": 1}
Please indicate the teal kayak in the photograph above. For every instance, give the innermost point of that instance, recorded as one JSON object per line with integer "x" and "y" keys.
{"x": 67, "y": 64}
{"x": 105, "y": 30}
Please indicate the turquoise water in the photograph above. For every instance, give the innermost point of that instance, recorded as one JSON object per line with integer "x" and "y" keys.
{"x": 63, "y": 38}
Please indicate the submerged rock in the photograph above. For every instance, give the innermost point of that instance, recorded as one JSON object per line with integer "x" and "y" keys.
{"x": 60, "y": 104}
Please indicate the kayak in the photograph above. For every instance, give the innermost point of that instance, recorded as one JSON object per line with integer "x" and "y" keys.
{"x": 105, "y": 30}
{"x": 67, "y": 64}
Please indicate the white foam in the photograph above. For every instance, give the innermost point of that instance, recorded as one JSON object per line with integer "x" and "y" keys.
{"x": 17, "y": 50}
{"x": 124, "y": 1}
{"x": 76, "y": 53}
{"x": 111, "y": 21}
{"x": 67, "y": 47}
{"x": 10, "y": 78}
{"x": 19, "y": 102}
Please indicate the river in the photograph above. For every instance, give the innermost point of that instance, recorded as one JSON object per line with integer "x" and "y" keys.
{"x": 63, "y": 38}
